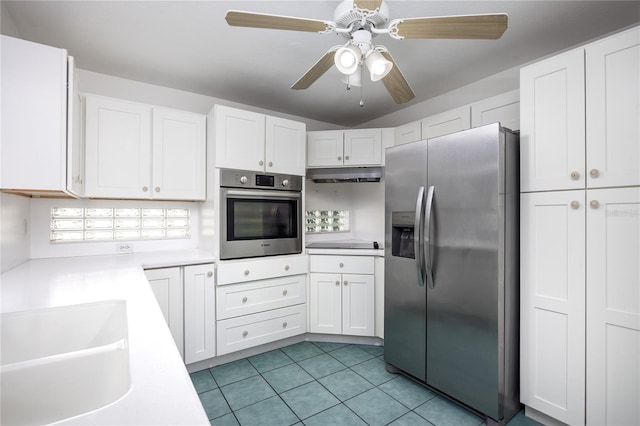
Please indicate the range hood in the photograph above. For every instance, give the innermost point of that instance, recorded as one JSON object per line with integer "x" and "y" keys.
{"x": 345, "y": 174}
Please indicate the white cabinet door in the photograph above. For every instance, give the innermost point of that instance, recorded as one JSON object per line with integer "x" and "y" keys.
{"x": 325, "y": 149}
{"x": 447, "y": 122}
{"x": 75, "y": 140}
{"x": 285, "y": 147}
{"x": 410, "y": 132}
{"x": 613, "y": 306}
{"x": 199, "y": 313}
{"x": 552, "y": 312}
{"x": 239, "y": 138}
{"x": 358, "y": 305}
{"x": 178, "y": 155}
{"x": 552, "y": 127}
{"x": 613, "y": 110}
{"x": 166, "y": 284}
{"x": 34, "y": 116}
{"x": 118, "y": 148}
{"x": 504, "y": 108}
{"x": 363, "y": 147}
{"x": 325, "y": 303}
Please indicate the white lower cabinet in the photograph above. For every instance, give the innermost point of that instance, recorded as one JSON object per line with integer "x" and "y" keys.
{"x": 186, "y": 295}
{"x": 552, "y": 312}
{"x": 580, "y": 305}
{"x": 342, "y": 295}
{"x": 613, "y": 306}
{"x": 199, "y": 313}
{"x": 260, "y": 301}
{"x": 166, "y": 284}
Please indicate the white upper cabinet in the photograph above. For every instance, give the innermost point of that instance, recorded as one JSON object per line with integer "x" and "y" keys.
{"x": 178, "y": 155}
{"x": 447, "y": 122}
{"x": 363, "y": 147}
{"x": 118, "y": 148}
{"x": 239, "y": 138}
{"x": 613, "y": 111}
{"x": 250, "y": 141}
{"x": 552, "y": 123}
{"x": 337, "y": 148}
{"x": 409, "y": 132}
{"x": 285, "y": 146}
{"x": 564, "y": 95}
{"x": 325, "y": 148}
{"x": 503, "y": 109}
{"x": 34, "y": 116}
{"x": 137, "y": 151}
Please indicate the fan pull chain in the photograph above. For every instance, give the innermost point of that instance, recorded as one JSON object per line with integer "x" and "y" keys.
{"x": 361, "y": 101}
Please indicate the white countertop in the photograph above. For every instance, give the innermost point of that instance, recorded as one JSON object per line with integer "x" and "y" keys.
{"x": 161, "y": 390}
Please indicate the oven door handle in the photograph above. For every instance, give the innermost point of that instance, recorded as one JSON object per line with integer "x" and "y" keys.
{"x": 264, "y": 194}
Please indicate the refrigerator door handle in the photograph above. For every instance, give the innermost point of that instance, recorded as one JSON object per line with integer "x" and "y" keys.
{"x": 427, "y": 238}
{"x": 418, "y": 235}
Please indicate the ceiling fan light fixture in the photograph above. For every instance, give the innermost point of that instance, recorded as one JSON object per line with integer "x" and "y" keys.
{"x": 347, "y": 59}
{"x": 378, "y": 65}
{"x": 353, "y": 80}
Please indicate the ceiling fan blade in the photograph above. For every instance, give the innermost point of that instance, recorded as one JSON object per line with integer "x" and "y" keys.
{"x": 316, "y": 71}
{"x": 464, "y": 26}
{"x": 367, "y": 4}
{"x": 396, "y": 84}
{"x": 238, "y": 18}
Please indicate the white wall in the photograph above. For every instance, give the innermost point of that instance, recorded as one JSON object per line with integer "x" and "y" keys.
{"x": 365, "y": 202}
{"x": 496, "y": 84}
{"x": 116, "y": 87}
{"x": 15, "y": 230}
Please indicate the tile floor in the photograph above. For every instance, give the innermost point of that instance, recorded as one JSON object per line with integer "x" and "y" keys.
{"x": 317, "y": 383}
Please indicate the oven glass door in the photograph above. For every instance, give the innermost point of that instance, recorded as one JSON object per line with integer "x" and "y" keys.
{"x": 260, "y": 223}
{"x": 253, "y": 219}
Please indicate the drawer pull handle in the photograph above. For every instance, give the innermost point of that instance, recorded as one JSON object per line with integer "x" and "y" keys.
{"x": 284, "y": 292}
{"x": 594, "y": 173}
{"x": 575, "y": 175}
{"x": 346, "y": 157}
{"x": 270, "y": 163}
{"x": 261, "y": 163}
{"x": 284, "y": 324}
{"x": 145, "y": 189}
{"x": 341, "y": 265}
{"x": 246, "y": 272}
{"x": 157, "y": 189}
{"x": 286, "y": 267}
{"x": 594, "y": 204}
{"x": 575, "y": 204}
{"x": 244, "y": 299}
{"x": 339, "y": 158}
{"x": 245, "y": 333}
{"x": 337, "y": 282}
{"x": 209, "y": 274}
{"x": 346, "y": 283}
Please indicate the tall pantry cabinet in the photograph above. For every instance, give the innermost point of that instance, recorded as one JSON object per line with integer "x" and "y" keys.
{"x": 580, "y": 234}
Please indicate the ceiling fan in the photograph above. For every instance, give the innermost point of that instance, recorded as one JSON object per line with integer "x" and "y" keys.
{"x": 361, "y": 20}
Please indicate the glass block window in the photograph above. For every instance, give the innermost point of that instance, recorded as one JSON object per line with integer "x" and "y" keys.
{"x": 320, "y": 221}
{"x": 75, "y": 224}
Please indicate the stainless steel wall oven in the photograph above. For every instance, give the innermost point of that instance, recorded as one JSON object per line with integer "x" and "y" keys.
{"x": 260, "y": 214}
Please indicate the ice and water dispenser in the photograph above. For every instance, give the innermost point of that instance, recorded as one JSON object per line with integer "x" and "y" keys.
{"x": 402, "y": 234}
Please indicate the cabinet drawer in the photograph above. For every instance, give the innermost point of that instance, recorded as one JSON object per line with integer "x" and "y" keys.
{"x": 252, "y": 330}
{"x": 257, "y": 296}
{"x": 251, "y": 270}
{"x": 342, "y": 264}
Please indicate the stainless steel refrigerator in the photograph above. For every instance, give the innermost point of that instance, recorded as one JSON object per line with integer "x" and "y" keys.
{"x": 451, "y": 266}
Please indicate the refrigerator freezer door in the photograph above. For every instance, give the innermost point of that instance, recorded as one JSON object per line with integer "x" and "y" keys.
{"x": 463, "y": 308}
{"x": 405, "y": 297}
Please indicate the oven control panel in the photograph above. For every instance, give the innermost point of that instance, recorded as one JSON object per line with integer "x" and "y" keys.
{"x": 249, "y": 179}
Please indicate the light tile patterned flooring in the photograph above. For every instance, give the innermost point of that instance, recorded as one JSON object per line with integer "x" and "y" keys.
{"x": 317, "y": 383}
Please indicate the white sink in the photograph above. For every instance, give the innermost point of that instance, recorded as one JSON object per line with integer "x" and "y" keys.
{"x": 61, "y": 362}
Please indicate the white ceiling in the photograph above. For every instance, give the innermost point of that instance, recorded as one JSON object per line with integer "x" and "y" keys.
{"x": 188, "y": 45}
